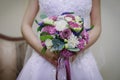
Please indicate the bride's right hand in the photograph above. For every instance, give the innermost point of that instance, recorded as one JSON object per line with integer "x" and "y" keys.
{"x": 51, "y": 57}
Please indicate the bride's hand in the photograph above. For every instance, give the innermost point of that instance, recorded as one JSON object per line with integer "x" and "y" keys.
{"x": 72, "y": 58}
{"x": 51, "y": 57}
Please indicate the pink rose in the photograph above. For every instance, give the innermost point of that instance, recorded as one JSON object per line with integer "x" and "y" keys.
{"x": 49, "y": 29}
{"x": 65, "y": 34}
{"x": 73, "y": 24}
{"x": 81, "y": 44}
{"x": 85, "y": 35}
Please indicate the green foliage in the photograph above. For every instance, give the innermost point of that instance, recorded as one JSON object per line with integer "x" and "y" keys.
{"x": 44, "y": 33}
{"x": 45, "y": 37}
{"x": 43, "y": 50}
{"x": 92, "y": 27}
{"x": 36, "y": 21}
{"x": 57, "y": 45}
{"x": 42, "y": 16}
{"x": 39, "y": 28}
{"x": 74, "y": 49}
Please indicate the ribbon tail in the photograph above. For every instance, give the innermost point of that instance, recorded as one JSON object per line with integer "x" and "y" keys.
{"x": 63, "y": 69}
{"x": 58, "y": 68}
{"x": 67, "y": 66}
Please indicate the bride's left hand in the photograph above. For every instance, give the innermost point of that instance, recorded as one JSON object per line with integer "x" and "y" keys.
{"x": 72, "y": 58}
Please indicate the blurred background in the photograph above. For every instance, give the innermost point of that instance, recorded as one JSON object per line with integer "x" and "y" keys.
{"x": 13, "y": 46}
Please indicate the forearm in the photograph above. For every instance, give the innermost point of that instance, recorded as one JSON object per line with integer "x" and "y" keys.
{"x": 95, "y": 17}
{"x": 93, "y": 36}
{"x": 33, "y": 41}
{"x": 27, "y": 32}
{"x": 30, "y": 37}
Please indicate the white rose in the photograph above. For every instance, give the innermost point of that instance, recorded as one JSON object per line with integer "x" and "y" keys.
{"x": 48, "y": 43}
{"x": 61, "y": 25}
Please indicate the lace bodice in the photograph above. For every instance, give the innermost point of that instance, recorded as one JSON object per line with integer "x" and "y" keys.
{"x": 56, "y": 7}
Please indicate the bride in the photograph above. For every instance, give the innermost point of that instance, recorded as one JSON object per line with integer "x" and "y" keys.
{"x": 43, "y": 67}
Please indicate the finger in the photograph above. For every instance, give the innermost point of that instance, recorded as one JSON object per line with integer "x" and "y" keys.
{"x": 74, "y": 57}
{"x": 55, "y": 56}
{"x": 55, "y": 62}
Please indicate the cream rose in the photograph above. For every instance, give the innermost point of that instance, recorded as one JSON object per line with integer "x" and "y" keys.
{"x": 61, "y": 25}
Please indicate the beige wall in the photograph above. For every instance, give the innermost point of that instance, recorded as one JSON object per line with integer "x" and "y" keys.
{"x": 111, "y": 38}
{"x": 11, "y": 13}
{"x": 109, "y": 43}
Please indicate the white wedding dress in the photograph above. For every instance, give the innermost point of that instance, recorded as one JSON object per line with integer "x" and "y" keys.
{"x": 84, "y": 66}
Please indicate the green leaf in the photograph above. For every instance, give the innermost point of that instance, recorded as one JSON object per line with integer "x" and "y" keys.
{"x": 36, "y": 21}
{"x": 43, "y": 50}
{"x": 81, "y": 29}
{"x": 44, "y": 33}
{"x": 74, "y": 49}
{"x": 39, "y": 28}
{"x": 71, "y": 12}
{"x": 92, "y": 27}
{"x": 42, "y": 16}
{"x": 45, "y": 37}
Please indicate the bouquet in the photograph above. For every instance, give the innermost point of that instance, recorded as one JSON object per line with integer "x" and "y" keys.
{"x": 64, "y": 35}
